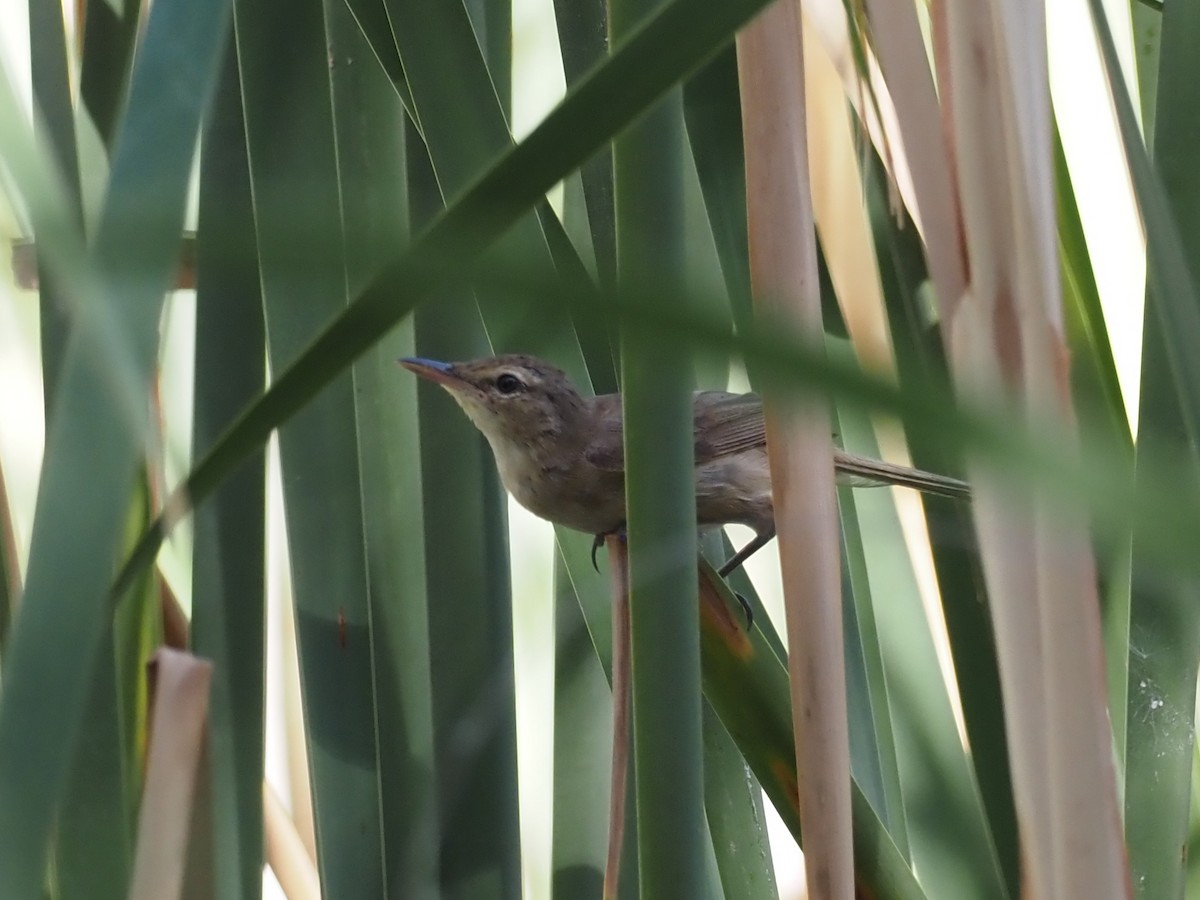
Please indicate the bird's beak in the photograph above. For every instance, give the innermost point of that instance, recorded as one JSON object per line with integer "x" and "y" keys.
{"x": 439, "y": 372}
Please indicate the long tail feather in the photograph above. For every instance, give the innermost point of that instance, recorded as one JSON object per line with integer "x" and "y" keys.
{"x": 866, "y": 471}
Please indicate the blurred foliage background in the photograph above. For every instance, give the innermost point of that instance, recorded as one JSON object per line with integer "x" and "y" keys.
{"x": 223, "y": 221}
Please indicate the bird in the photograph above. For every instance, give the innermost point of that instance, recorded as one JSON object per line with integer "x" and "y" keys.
{"x": 561, "y": 454}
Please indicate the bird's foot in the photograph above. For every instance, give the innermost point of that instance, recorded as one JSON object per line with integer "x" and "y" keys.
{"x": 753, "y": 546}
{"x": 598, "y": 542}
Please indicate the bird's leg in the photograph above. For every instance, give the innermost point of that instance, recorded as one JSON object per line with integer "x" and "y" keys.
{"x": 598, "y": 542}
{"x": 746, "y": 552}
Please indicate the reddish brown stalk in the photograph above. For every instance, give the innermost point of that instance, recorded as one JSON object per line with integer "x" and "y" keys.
{"x": 618, "y": 556}
{"x": 8, "y": 546}
{"x": 1007, "y": 347}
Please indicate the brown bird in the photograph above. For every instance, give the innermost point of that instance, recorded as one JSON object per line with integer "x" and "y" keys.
{"x": 562, "y": 455}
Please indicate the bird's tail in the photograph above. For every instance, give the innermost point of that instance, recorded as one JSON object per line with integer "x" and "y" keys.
{"x": 864, "y": 471}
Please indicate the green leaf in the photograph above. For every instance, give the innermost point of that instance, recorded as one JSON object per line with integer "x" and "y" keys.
{"x": 737, "y": 821}
{"x": 1147, "y": 34}
{"x": 97, "y": 819}
{"x": 582, "y": 751}
{"x": 109, "y": 40}
{"x": 372, "y": 160}
{"x": 746, "y": 683}
{"x": 304, "y": 283}
{"x": 464, "y": 127}
{"x": 470, "y": 607}
{"x": 660, "y": 500}
{"x": 372, "y": 19}
{"x": 228, "y": 577}
{"x": 713, "y": 112}
{"x": 583, "y": 38}
{"x": 52, "y": 95}
{"x": 93, "y": 851}
{"x": 10, "y": 579}
{"x": 492, "y": 22}
{"x": 1164, "y": 620}
{"x": 1163, "y": 654}
{"x": 91, "y": 449}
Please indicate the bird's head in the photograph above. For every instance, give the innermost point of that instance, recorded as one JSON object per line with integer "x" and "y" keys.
{"x": 510, "y": 398}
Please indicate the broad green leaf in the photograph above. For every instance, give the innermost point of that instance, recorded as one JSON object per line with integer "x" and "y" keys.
{"x": 713, "y": 112}
{"x": 464, "y": 126}
{"x": 372, "y": 163}
{"x": 746, "y": 683}
{"x": 1164, "y": 619}
{"x": 304, "y": 283}
{"x": 583, "y": 38}
{"x": 1163, "y": 652}
{"x": 228, "y": 577}
{"x": 91, "y": 449}
{"x": 1147, "y": 22}
{"x": 469, "y": 603}
{"x": 492, "y": 23}
{"x": 9, "y": 569}
{"x": 94, "y": 836}
{"x": 660, "y": 502}
{"x": 93, "y": 848}
{"x": 372, "y": 19}
{"x": 582, "y": 751}
{"x": 110, "y": 34}
{"x": 737, "y": 820}
{"x": 52, "y": 95}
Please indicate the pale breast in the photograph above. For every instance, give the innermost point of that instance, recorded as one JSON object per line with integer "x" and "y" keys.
{"x": 568, "y": 492}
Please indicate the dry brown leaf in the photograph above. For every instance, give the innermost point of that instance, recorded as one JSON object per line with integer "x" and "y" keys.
{"x": 177, "y": 736}
{"x": 285, "y": 851}
{"x": 1007, "y": 348}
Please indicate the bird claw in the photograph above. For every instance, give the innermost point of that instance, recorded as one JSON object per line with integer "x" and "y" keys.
{"x": 598, "y": 542}
{"x": 747, "y": 609}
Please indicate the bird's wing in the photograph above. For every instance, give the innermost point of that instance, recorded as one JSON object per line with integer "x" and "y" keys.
{"x": 606, "y": 449}
{"x": 733, "y": 423}
{"x": 727, "y": 424}
{"x": 724, "y": 424}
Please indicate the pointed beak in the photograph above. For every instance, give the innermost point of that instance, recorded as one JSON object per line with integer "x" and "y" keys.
{"x": 431, "y": 369}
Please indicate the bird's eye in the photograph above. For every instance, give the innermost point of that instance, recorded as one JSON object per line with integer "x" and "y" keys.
{"x": 508, "y": 383}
